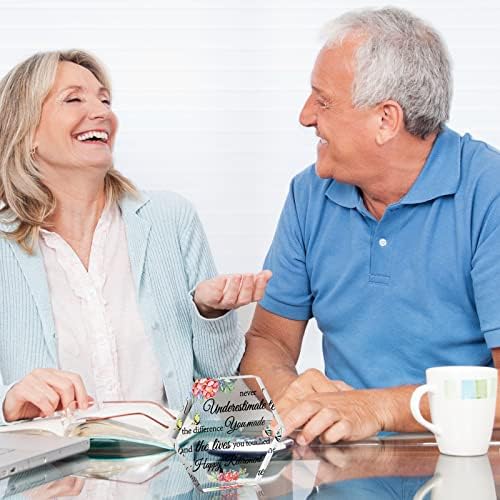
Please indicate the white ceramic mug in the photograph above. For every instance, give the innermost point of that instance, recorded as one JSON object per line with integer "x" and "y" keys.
{"x": 462, "y": 402}
{"x": 460, "y": 478}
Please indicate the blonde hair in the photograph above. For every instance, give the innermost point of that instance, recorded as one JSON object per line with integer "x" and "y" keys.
{"x": 25, "y": 201}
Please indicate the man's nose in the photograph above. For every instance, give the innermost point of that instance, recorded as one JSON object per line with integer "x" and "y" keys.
{"x": 307, "y": 116}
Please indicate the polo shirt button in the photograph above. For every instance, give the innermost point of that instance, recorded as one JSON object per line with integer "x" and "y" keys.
{"x": 382, "y": 242}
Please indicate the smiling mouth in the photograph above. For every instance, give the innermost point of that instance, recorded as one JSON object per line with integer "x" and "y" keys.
{"x": 321, "y": 141}
{"x": 93, "y": 137}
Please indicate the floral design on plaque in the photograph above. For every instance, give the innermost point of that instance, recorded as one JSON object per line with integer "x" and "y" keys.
{"x": 178, "y": 424}
{"x": 229, "y": 494}
{"x": 227, "y": 385}
{"x": 228, "y": 476}
{"x": 207, "y": 388}
{"x": 268, "y": 431}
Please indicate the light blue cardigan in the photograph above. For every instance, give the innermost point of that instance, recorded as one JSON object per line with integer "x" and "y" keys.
{"x": 169, "y": 255}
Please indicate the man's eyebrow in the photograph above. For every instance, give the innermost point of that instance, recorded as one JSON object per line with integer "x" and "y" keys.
{"x": 322, "y": 92}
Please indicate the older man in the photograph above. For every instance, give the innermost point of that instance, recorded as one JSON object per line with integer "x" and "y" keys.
{"x": 391, "y": 240}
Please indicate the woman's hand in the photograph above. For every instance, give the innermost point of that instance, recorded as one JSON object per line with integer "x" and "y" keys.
{"x": 44, "y": 391}
{"x": 69, "y": 486}
{"x": 215, "y": 297}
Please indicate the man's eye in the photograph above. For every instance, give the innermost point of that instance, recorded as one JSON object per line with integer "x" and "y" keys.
{"x": 73, "y": 99}
{"x": 106, "y": 101}
{"x": 323, "y": 104}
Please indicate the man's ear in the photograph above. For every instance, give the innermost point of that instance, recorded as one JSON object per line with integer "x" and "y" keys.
{"x": 390, "y": 119}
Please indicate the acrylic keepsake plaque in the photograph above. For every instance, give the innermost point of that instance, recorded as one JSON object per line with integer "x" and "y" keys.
{"x": 228, "y": 432}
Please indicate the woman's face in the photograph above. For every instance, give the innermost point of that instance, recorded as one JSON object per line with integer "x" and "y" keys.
{"x": 77, "y": 127}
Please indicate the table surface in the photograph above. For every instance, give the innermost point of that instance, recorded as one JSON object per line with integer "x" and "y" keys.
{"x": 403, "y": 466}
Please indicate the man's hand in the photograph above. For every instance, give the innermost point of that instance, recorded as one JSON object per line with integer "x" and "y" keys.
{"x": 218, "y": 295}
{"x": 353, "y": 462}
{"x": 310, "y": 382}
{"x": 335, "y": 416}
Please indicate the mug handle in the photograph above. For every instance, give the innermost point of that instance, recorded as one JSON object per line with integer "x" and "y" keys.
{"x": 415, "y": 408}
{"x": 426, "y": 487}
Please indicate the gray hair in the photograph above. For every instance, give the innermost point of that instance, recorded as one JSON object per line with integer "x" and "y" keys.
{"x": 402, "y": 58}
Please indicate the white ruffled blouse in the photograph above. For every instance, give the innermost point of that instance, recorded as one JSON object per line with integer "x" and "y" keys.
{"x": 100, "y": 333}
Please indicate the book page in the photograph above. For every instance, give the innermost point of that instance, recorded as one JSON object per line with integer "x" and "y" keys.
{"x": 140, "y": 422}
{"x": 52, "y": 425}
{"x": 143, "y": 422}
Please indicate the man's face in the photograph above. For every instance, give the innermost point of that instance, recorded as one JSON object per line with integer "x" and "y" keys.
{"x": 346, "y": 134}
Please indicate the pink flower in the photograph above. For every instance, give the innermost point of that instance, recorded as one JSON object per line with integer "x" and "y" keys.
{"x": 205, "y": 387}
{"x": 229, "y": 476}
{"x": 230, "y": 495}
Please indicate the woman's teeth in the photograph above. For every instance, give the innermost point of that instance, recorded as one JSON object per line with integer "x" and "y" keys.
{"x": 93, "y": 134}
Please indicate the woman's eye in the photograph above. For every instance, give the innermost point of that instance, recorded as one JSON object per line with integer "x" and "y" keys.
{"x": 107, "y": 102}
{"x": 74, "y": 99}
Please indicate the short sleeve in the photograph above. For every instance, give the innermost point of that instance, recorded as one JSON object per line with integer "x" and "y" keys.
{"x": 288, "y": 293}
{"x": 485, "y": 274}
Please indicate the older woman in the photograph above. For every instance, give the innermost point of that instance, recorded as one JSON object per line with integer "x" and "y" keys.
{"x": 102, "y": 290}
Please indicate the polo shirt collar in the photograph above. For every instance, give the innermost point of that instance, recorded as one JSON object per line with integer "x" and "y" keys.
{"x": 440, "y": 176}
{"x": 345, "y": 195}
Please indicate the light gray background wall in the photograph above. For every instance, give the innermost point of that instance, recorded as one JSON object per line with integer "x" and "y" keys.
{"x": 208, "y": 94}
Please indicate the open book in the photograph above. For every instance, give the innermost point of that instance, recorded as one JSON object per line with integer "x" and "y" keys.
{"x": 128, "y": 428}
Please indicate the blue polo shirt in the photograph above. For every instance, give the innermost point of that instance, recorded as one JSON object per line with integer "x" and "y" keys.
{"x": 419, "y": 288}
